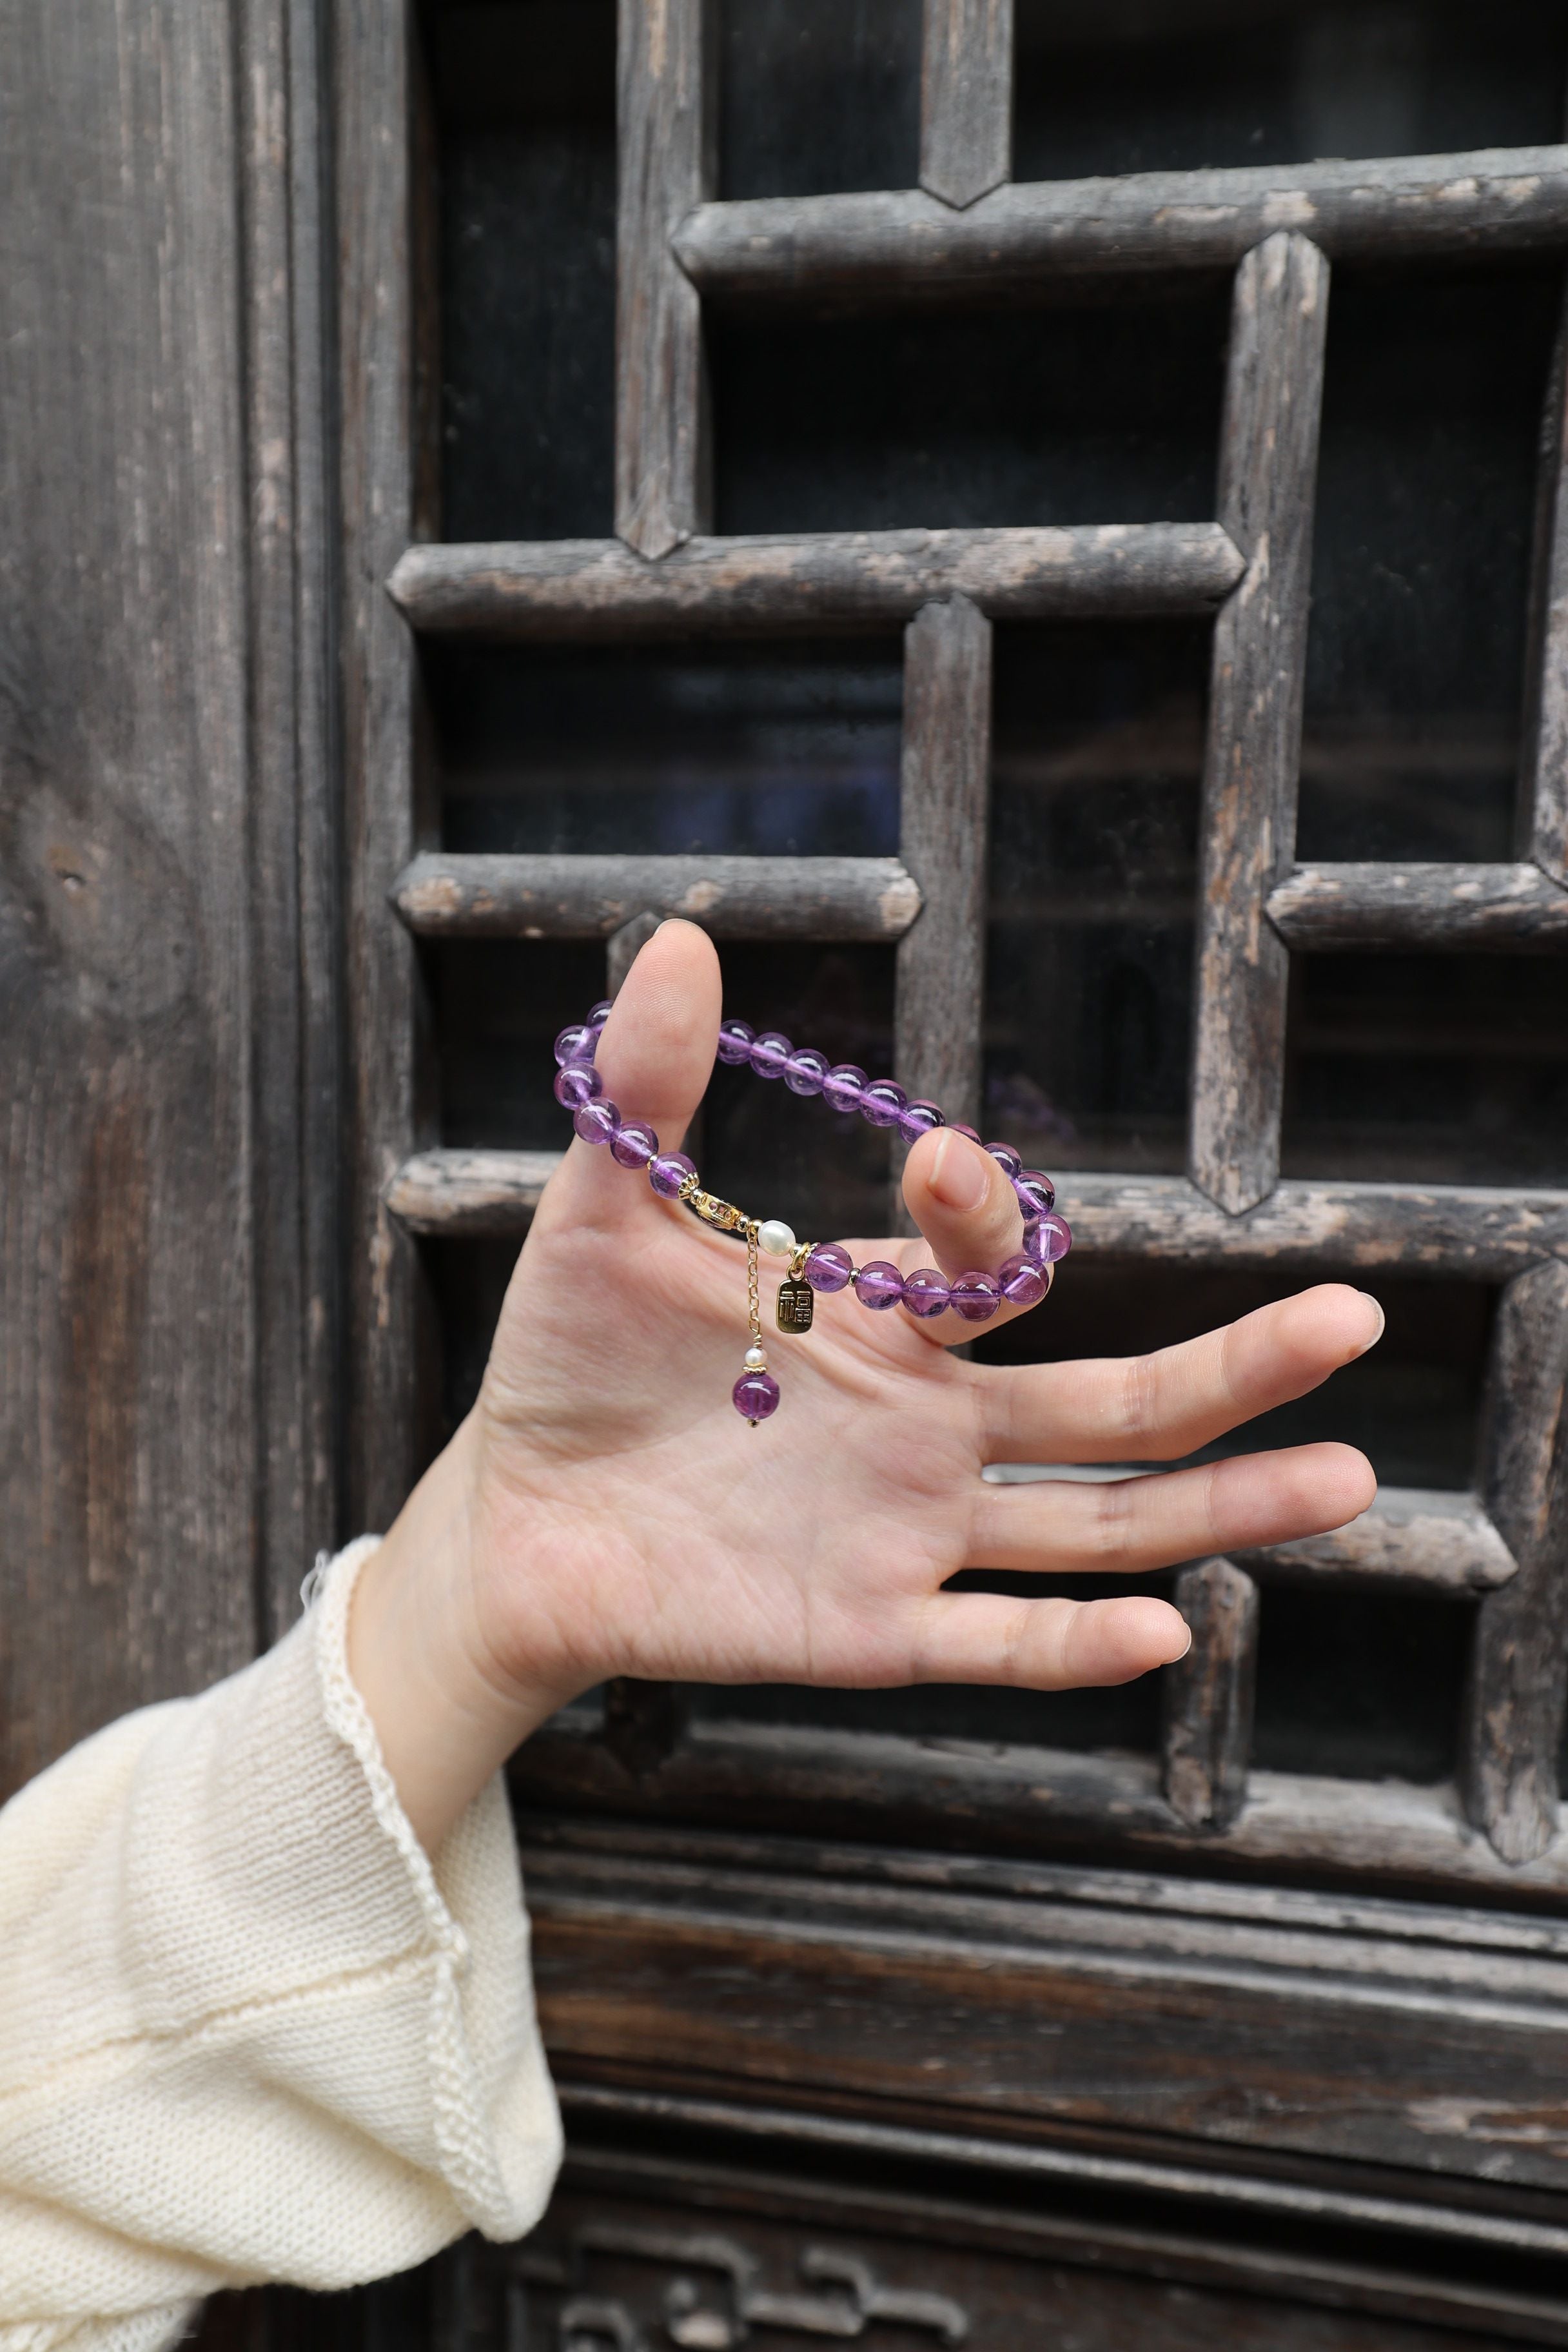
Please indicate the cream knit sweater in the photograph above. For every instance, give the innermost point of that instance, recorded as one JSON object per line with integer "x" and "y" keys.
{"x": 248, "y": 2029}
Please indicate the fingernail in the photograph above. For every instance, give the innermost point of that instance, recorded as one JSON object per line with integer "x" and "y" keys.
{"x": 1182, "y": 1653}
{"x": 959, "y": 1174}
{"x": 1376, "y": 1307}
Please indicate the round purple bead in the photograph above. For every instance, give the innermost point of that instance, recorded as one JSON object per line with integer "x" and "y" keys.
{"x": 756, "y": 1394}
{"x": 804, "y": 1071}
{"x": 1005, "y": 1157}
{"x": 768, "y": 1054}
{"x": 879, "y": 1285}
{"x": 842, "y": 1086}
{"x": 736, "y": 1039}
{"x": 1036, "y": 1193}
{"x": 883, "y": 1103}
{"x": 959, "y": 1127}
{"x": 829, "y": 1265}
{"x": 596, "y": 1122}
{"x": 975, "y": 1296}
{"x": 577, "y": 1082}
{"x": 576, "y": 1043}
{"x": 918, "y": 1118}
{"x": 600, "y": 1014}
{"x": 1023, "y": 1283}
{"x": 1048, "y": 1239}
{"x": 668, "y": 1171}
{"x": 925, "y": 1292}
{"x": 633, "y": 1145}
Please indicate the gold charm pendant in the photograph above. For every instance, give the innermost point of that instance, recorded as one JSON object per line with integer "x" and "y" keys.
{"x": 796, "y": 1304}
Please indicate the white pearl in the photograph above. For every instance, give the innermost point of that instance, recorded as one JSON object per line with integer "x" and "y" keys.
{"x": 755, "y": 1360}
{"x": 774, "y": 1238}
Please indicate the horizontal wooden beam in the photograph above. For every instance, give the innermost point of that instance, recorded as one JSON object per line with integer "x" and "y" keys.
{"x": 1423, "y": 1538}
{"x": 1483, "y": 1233}
{"x": 1421, "y": 905}
{"x": 1497, "y": 199}
{"x": 584, "y": 589}
{"x": 807, "y": 1778}
{"x": 506, "y": 898}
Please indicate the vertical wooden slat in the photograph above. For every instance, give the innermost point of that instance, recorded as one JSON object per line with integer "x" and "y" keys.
{"x": 664, "y": 79}
{"x": 1269, "y": 459}
{"x": 1208, "y": 1697}
{"x": 945, "y": 828}
{"x": 1543, "y": 832}
{"x": 129, "y": 1413}
{"x": 1515, "y": 1715}
{"x": 966, "y": 97}
{"x": 377, "y": 338}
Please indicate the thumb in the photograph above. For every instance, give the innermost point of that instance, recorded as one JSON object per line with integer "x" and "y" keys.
{"x": 655, "y": 1055}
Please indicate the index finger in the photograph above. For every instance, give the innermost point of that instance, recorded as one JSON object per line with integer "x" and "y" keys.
{"x": 1159, "y": 1407}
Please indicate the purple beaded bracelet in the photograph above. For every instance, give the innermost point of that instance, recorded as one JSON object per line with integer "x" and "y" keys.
{"x": 1022, "y": 1281}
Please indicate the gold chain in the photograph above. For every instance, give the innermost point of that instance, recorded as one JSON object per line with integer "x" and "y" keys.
{"x": 753, "y": 1305}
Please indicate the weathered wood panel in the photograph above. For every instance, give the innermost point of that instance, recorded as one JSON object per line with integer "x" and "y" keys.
{"x": 593, "y": 589}
{"x": 1268, "y": 463}
{"x": 1514, "y": 1729}
{"x": 1490, "y": 908}
{"x": 378, "y": 347}
{"x": 1487, "y": 1232}
{"x": 966, "y": 97}
{"x": 1207, "y": 1697}
{"x": 1036, "y": 1801}
{"x": 1543, "y": 767}
{"x": 1424, "y": 1539}
{"x": 945, "y": 828}
{"x": 1494, "y": 200}
{"x": 665, "y": 123}
{"x": 586, "y": 898}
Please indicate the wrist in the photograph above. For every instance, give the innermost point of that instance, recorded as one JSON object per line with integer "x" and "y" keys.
{"x": 444, "y": 1716}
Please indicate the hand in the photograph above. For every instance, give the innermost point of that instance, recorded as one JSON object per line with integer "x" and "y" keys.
{"x": 605, "y": 1511}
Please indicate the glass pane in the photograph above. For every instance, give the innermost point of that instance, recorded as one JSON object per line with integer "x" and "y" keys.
{"x": 1432, "y": 414}
{"x": 1141, "y": 85}
{"x": 525, "y": 103}
{"x": 1048, "y": 415}
{"x": 818, "y": 96}
{"x": 1441, "y": 1068}
{"x": 766, "y": 749}
{"x": 1096, "y": 770}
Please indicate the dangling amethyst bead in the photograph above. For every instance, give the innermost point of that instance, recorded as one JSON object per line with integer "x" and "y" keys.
{"x": 668, "y": 1171}
{"x": 755, "y": 1395}
{"x": 577, "y": 1082}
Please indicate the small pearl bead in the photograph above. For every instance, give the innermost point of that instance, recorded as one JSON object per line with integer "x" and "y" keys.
{"x": 755, "y": 1360}
{"x": 774, "y": 1238}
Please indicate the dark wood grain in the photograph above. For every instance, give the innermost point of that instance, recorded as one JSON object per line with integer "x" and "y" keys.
{"x": 1543, "y": 764}
{"x": 1268, "y": 461}
{"x": 1206, "y": 1699}
{"x": 664, "y": 107}
{"x": 966, "y": 97}
{"x": 1494, "y": 200}
{"x": 1514, "y": 1718}
{"x": 1485, "y": 908}
{"x": 577, "y": 897}
{"x": 587, "y": 589}
{"x": 945, "y": 828}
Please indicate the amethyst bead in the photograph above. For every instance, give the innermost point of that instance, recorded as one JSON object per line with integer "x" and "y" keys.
{"x": 600, "y": 1014}
{"x": 925, "y": 1292}
{"x": 634, "y": 1145}
{"x": 804, "y": 1071}
{"x": 577, "y": 1082}
{"x": 883, "y": 1103}
{"x": 1005, "y": 1157}
{"x": 1048, "y": 1239}
{"x": 975, "y": 1296}
{"x": 755, "y": 1394}
{"x": 829, "y": 1265}
{"x": 668, "y": 1171}
{"x": 576, "y": 1043}
{"x": 918, "y": 1118}
{"x": 959, "y": 1127}
{"x": 1022, "y": 1281}
{"x": 769, "y": 1054}
{"x": 879, "y": 1285}
{"x": 1036, "y": 1193}
{"x": 736, "y": 1039}
{"x": 596, "y": 1122}
{"x": 842, "y": 1086}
